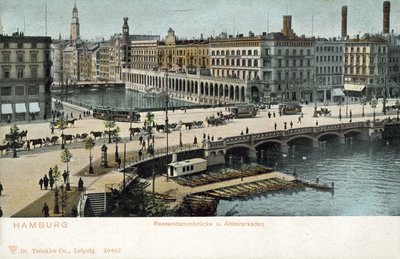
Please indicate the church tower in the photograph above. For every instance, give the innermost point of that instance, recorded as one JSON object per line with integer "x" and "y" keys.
{"x": 74, "y": 25}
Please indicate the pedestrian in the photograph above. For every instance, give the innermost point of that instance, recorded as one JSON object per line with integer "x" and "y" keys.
{"x": 212, "y": 138}
{"x": 340, "y": 116}
{"x": 269, "y": 115}
{"x": 28, "y": 145}
{"x": 144, "y": 143}
{"x": 72, "y": 115}
{"x": 8, "y": 119}
{"x": 291, "y": 124}
{"x": 185, "y": 109}
{"x": 52, "y": 129}
{"x": 41, "y": 183}
{"x": 316, "y": 123}
{"x": 50, "y": 172}
{"x": 204, "y": 135}
{"x": 45, "y": 210}
{"x": 140, "y": 139}
{"x": 302, "y": 115}
{"x": 285, "y": 125}
{"x": 1, "y": 212}
{"x": 299, "y": 120}
{"x": 273, "y": 114}
{"x": 351, "y": 114}
{"x": 140, "y": 154}
{"x": 247, "y": 130}
{"x": 1, "y": 188}
{"x": 195, "y": 140}
{"x": 45, "y": 182}
{"x": 80, "y": 184}
{"x": 65, "y": 175}
{"x": 51, "y": 183}
{"x": 275, "y": 125}
{"x": 241, "y": 133}
{"x": 208, "y": 137}
{"x": 80, "y": 116}
{"x": 66, "y": 117}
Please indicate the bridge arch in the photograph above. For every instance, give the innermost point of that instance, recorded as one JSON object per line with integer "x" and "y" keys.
{"x": 328, "y": 133}
{"x": 238, "y": 146}
{"x": 268, "y": 141}
{"x": 300, "y": 136}
{"x": 352, "y": 131}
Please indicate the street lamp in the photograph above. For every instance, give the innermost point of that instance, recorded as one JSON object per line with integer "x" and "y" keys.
{"x": 116, "y": 148}
{"x": 180, "y": 138}
{"x": 124, "y": 163}
{"x": 166, "y": 120}
{"x": 130, "y": 122}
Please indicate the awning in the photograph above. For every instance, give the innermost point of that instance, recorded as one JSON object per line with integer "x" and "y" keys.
{"x": 34, "y": 107}
{"x": 337, "y": 92}
{"x": 20, "y": 108}
{"x": 6, "y": 108}
{"x": 354, "y": 87}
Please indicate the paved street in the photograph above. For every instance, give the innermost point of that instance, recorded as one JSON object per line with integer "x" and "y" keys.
{"x": 20, "y": 176}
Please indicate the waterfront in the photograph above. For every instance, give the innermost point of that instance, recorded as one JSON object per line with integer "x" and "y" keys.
{"x": 118, "y": 97}
{"x": 366, "y": 177}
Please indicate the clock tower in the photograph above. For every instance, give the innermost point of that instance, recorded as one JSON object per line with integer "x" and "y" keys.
{"x": 74, "y": 25}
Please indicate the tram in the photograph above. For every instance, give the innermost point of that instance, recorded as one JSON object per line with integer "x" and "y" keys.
{"x": 244, "y": 111}
{"x": 117, "y": 114}
{"x": 290, "y": 108}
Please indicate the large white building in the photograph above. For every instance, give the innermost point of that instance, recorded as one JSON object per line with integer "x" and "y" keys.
{"x": 329, "y": 69}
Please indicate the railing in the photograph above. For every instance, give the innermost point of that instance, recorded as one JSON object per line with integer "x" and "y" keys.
{"x": 290, "y": 132}
{"x": 161, "y": 152}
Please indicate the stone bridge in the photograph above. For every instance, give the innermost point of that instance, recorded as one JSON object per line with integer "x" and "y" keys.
{"x": 215, "y": 151}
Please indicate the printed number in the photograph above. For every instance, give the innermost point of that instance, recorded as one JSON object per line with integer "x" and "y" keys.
{"x": 112, "y": 250}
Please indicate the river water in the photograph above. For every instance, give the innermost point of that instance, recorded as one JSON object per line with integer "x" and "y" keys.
{"x": 118, "y": 97}
{"x": 366, "y": 177}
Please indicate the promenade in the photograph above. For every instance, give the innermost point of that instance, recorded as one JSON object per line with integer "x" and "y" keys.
{"x": 20, "y": 176}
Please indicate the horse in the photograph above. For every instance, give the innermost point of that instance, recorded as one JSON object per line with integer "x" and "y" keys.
{"x": 160, "y": 127}
{"x": 67, "y": 138}
{"x": 23, "y": 134}
{"x": 4, "y": 147}
{"x": 54, "y": 140}
{"x": 35, "y": 142}
{"x": 188, "y": 125}
{"x": 132, "y": 131}
{"x": 198, "y": 124}
{"x": 96, "y": 134}
{"x": 72, "y": 122}
{"x": 228, "y": 116}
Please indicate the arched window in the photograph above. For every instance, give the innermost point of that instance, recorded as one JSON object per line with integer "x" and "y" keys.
{"x": 213, "y": 53}
{"x": 232, "y": 52}
{"x": 256, "y": 53}
{"x": 217, "y": 52}
{"x": 222, "y": 53}
{"x": 243, "y": 53}
{"x": 238, "y": 52}
{"x": 249, "y": 62}
{"x": 249, "y": 52}
{"x": 255, "y": 63}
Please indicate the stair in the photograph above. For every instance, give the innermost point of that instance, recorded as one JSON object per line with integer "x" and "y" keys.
{"x": 95, "y": 205}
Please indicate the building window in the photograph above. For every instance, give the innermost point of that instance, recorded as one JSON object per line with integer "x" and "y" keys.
{"x": 5, "y": 91}
{"x": 6, "y": 57}
{"x": 19, "y": 90}
{"x": 33, "y": 90}
{"x": 20, "y": 57}
{"x": 20, "y": 45}
{"x": 20, "y": 72}
{"x": 6, "y": 73}
{"x": 33, "y": 72}
{"x": 279, "y": 52}
{"x": 33, "y": 57}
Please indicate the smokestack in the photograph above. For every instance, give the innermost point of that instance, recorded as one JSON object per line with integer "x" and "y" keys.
{"x": 386, "y": 17}
{"x": 344, "y": 22}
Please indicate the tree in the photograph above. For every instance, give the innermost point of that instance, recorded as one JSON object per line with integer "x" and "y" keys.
{"x": 109, "y": 124}
{"x": 14, "y": 132}
{"x": 136, "y": 201}
{"x": 56, "y": 177}
{"x": 88, "y": 144}
{"x": 66, "y": 156}
{"x": 62, "y": 124}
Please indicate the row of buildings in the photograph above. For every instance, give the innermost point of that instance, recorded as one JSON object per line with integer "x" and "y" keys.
{"x": 278, "y": 66}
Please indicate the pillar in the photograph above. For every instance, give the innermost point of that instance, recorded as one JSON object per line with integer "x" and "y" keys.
{"x": 315, "y": 143}
{"x": 284, "y": 147}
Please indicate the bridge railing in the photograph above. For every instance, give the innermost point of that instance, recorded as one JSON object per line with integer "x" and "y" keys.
{"x": 290, "y": 132}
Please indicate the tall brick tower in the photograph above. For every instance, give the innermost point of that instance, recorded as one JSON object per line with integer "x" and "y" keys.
{"x": 386, "y": 17}
{"x": 344, "y": 22}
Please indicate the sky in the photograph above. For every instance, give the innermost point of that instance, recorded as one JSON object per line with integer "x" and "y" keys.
{"x": 189, "y": 18}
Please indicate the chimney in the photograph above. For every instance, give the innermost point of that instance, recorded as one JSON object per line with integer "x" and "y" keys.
{"x": 386, "y": 17}
{"x": 344, "y": 21}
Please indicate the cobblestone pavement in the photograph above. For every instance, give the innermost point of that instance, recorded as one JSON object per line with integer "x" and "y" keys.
{"x": 20, "y": 176}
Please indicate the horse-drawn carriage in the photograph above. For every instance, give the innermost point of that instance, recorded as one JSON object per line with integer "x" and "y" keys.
{"x": 215, "y": 121}
{"x": 324, "y": 112}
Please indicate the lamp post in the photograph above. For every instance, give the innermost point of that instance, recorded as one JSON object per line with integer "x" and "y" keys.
{"x": 347, "y": 106}
{"x": 124, "y": 163}
{"x": 180, "y": 138}
{"x": 116, "y": 149}
{"x": 90, "y": 162}
{"x": 130, "y": 123}
{"x": 166, "y": 120}
{"x": 363, "y": 110}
